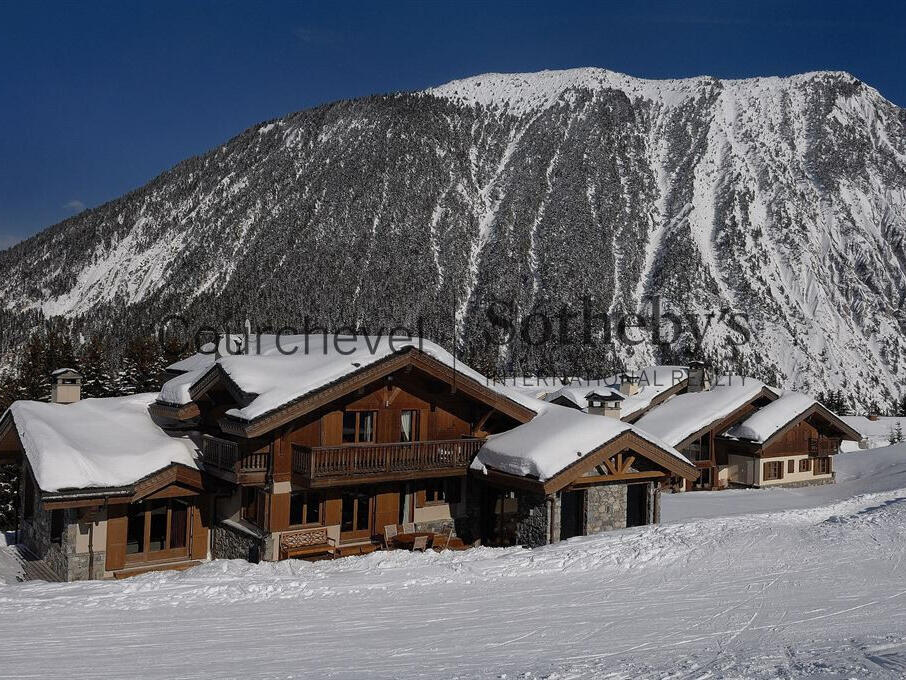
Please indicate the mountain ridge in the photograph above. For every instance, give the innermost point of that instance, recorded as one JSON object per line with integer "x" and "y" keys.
{"x": 781, "y": 197}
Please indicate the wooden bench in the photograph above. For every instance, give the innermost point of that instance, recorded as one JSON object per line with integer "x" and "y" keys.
{"x": 307, "y": 543}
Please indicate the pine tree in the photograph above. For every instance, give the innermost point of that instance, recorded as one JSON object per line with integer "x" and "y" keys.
{"x": 141, "y": 369}
{"x": 98, "y": 379}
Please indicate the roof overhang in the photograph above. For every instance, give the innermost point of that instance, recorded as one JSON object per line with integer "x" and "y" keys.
{"x": 764, "y": 393}
{"x": 409, "y": 357}
{"x": 822, "y": 412}
{"x": 173, "y": 481}
{"x": 668, "y": 463}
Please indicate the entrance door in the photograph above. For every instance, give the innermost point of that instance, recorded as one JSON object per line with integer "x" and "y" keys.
{"x": 636, "y": 505}
{"x": 572, "y": 514}
{"x": 357, "y": 514}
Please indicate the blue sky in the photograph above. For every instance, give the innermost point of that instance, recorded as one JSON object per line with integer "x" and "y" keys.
{"x": 99, "y": 97}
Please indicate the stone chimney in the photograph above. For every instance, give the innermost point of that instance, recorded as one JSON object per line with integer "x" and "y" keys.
{"x": 66, "y": 386}
{"x": 699, "y": 377}
{"x": 629, "y": 384}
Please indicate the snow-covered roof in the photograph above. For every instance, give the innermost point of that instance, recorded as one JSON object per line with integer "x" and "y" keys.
{"x": 552, "y": 441}
{"x": 766, "y": 421}
{"x": 283, "y": 371}
{"x": 61, "y": 371}
{"x": 653, "y": 381}
{"x": 96, "y": 443}
{"x": 579, "y": 391}
{"x": 685, "y": 414}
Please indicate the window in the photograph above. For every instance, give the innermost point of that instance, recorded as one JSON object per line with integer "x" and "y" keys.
{"x": 358, "y": 426}
{"x": 56, "y": 526}
{"x": 253, "y": 500}
{"x": 304, "y": 508}
{"x": 773, "y": 470}
{"x": 437, "y": 491}
{"x": 791, "y": 466}
{"x": 704, "y": 479}
{"x": 355, "y": 513}
{"x": 805, "y": 465}
{"x": 408, "y": 426}
{"x": 822, "y": 466}
{"x": 157, "y": 529}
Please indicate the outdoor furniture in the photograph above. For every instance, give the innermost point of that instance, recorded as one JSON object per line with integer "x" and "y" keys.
{"x": 307, "y": 543}
{"x": 407, "y": 540}
{"x": 389, "y": 536}
{"x": 420, "y": 543}
{"x": 409, "y": 528}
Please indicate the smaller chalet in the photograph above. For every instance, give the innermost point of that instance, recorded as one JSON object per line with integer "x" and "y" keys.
{"x": 566, "y": 473}
{"x": 727, "y": 427}
{"x": 789, "y": 442}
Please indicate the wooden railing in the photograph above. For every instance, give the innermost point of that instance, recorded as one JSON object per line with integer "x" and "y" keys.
{"x": 823, "y": 446}
{"x": 227, "y": 455}
{"x": 354, "y": 460}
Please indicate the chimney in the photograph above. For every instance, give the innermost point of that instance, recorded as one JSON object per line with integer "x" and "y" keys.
{"x": 66, "y": 386}
{"x": 699, "y": 377}
{"x": 629, "y": 384}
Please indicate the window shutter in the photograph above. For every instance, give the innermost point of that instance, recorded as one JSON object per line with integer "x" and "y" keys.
{"x": 116, "y": 536}
{"x": 420, "y": 499}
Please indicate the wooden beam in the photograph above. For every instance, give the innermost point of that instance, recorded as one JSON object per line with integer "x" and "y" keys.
{"x": 621, "y": 477}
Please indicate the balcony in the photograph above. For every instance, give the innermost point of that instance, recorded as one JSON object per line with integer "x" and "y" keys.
{"x": 823, "y": 447}
{"x": 353, "y": 463}
{"x": 228, "y": 460}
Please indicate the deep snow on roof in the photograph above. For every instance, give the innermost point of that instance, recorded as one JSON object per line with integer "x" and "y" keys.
{"x": 761, "y": 425}
{"x": 96, "y": 442}
{"x": 280, "y": 372}
{"x": 685, "y": 414}
{"x": 552, "y": 441}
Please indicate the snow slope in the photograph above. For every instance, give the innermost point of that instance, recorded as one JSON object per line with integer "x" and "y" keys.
{"x": 814, "y": 592}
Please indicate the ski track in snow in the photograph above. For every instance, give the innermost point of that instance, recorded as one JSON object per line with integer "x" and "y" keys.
{"x": 812, "y": 589}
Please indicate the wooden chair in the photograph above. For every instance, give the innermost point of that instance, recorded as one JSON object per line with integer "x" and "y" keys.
{"x": 409, "y": 528}
{"x": 420, "y": 544}
{"x": 389, "y": 536}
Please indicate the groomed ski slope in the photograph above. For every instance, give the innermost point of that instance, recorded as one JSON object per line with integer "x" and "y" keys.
{"x": 816, "y": 591}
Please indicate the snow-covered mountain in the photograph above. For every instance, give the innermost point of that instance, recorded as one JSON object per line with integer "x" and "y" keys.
{"x": 783, "y": 198}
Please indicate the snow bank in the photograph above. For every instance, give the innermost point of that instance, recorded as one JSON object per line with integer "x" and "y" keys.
{"x": 685, "y": 414}
{"x": 279, "y": 372}
{"x": 762, "y": 425}
{"x": 96, "y": 442}
{"x": 555, "y": 439}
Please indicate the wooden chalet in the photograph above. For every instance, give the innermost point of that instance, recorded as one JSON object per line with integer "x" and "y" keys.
{"x": 790, "y": 442}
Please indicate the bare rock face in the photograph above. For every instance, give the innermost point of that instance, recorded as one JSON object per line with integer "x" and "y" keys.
{"x": 781, "y": 198}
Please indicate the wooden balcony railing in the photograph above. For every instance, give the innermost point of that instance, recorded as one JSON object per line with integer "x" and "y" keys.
{"x": 228, "y": 456}
{"x": 365, "y": 460}
{"x": 823, "y": 446}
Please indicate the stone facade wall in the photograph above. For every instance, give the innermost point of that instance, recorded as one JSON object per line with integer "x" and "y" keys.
{"x": 532, "y": 527}
{"x": 605, "y": 508}
{"x": 62, "y": 557}
{"x": 228, "y": 543}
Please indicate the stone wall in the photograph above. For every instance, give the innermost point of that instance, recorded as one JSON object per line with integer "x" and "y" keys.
{"x": 228, "y": 543}
{"x": 532, "y": 528}
{"x": 605, "y": 508}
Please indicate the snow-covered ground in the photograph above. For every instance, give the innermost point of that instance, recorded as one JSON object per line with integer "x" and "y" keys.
{"x": 813, "y": 589}
{"x": 877, "y": 432}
